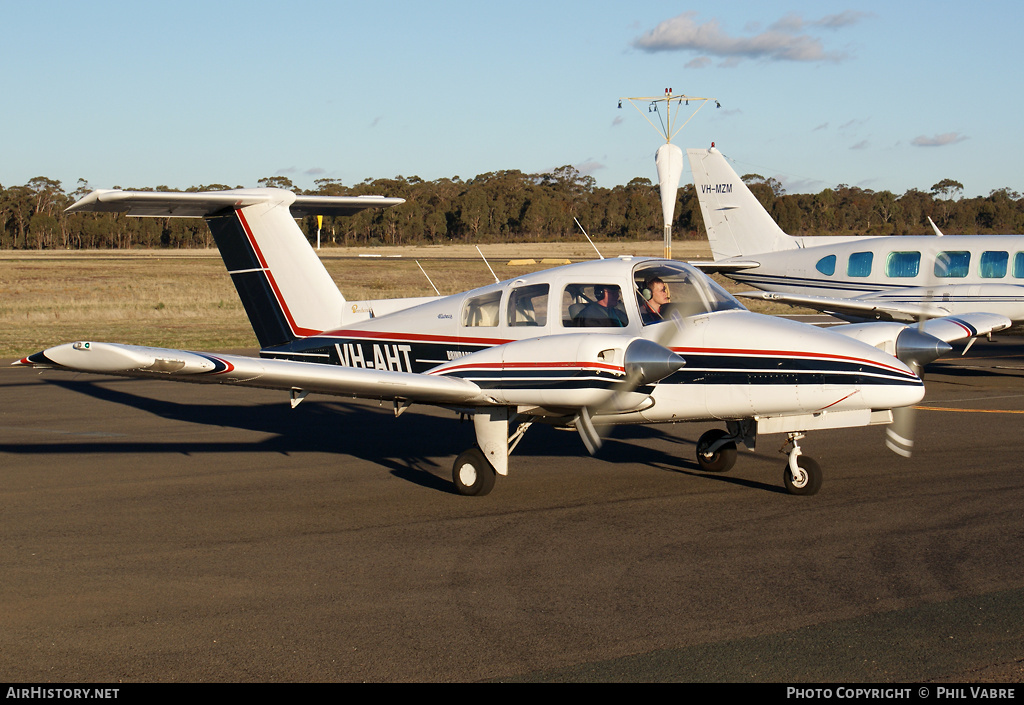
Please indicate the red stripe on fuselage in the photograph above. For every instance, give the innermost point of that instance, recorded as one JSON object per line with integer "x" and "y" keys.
{"x": 530, "y": 365}
{"x": 414, "y": 337}
{"x": 297, "y": 330}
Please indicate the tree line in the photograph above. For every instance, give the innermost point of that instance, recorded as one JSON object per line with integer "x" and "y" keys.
{"x": 512, "y": 206}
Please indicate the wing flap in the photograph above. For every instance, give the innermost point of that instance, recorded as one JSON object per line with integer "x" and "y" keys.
{"x": 853, "y": 307}
{"x": 240, "y": 370}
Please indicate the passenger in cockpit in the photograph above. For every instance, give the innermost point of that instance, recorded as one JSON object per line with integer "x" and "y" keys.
{"x": 604, "y": 311}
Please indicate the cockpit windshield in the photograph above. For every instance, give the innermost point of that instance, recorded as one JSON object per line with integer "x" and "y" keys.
{"x": 665, "y": 288}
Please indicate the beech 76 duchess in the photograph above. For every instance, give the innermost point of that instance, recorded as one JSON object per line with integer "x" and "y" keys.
{"x": 899, "y": 278}
{"x": 578, "y": 346}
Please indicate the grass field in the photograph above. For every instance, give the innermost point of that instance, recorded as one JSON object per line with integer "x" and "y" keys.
{"x": 184, "y": 298}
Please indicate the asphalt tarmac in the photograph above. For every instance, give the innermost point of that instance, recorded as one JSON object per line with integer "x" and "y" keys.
{"x": 156, "y": 532}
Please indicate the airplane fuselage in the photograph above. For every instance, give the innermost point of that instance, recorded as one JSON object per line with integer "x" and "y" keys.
{"x": 539, "y": 357}
{"x": 960, "y": 273}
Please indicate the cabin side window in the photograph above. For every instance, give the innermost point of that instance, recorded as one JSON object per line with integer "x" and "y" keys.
{"x": 952, "y": 265}
{"x": 481, "y": 311}
{"x": 903, "y": 264}
{"x": 593, "y": 305}
{"x": 1018, "y": 265}
{"x": 859, "y": 264}
{"x": 827, "y": 265}
{"x": 993, "y": 264}
{"x": 528, "y": 306}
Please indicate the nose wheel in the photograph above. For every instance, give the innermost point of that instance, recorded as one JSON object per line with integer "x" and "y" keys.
{"x": 801, "y": 475}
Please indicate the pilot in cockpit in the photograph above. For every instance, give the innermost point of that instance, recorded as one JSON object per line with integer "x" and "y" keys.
{"x": 655, "y": 294}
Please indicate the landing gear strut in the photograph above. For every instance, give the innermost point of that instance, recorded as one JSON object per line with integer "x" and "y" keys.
{"x": 802, "y": 475}
{"x": 475, "y": 470}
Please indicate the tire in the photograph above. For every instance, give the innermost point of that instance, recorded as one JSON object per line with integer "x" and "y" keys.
{"x": 722, "y": 459}
{"x": 809, "y": 483}
{"x": 472, "y": 474}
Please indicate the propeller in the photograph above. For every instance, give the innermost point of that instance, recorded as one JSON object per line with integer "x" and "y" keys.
{"x": 915, "y": 349}
{"x": 645, "y": 362}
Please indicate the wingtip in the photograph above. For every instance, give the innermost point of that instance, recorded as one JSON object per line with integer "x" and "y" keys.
{"x": 34, "y": 360}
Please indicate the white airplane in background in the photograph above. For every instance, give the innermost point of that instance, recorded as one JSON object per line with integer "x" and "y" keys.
{"x": 576, "y": 346}
{"x": 896, "y": 278}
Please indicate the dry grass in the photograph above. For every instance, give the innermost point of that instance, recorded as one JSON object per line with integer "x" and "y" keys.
{"x": 184, "y": 298}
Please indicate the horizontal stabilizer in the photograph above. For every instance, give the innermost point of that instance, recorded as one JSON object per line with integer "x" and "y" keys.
{"x": 725, "y": 267}
{"x": 173, "y": 204}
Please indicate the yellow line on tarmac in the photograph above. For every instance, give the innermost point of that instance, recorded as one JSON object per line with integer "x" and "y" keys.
{"x": 971, "y": 411}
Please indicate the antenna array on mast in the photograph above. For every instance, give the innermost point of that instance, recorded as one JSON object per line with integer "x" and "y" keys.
{"x": 668, "y": 127}
{"x": 669, "y": 158}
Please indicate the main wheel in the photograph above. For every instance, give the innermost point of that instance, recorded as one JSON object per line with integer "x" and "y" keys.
{"x": 808, "y": 481}
{"x": 472, "y": 474}
{"x": 722, "y": 459}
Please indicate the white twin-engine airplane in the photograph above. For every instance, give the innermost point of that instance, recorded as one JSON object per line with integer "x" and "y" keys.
{"x": 625, "y": 340}
{"x": 897, "y": 278}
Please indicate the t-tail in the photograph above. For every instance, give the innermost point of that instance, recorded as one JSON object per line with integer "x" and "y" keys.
{"x": 737, "y": 223}
{"x": 285, "y": 289}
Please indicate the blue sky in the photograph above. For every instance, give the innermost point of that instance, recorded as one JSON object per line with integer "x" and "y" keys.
{"x": 881, "y": 95}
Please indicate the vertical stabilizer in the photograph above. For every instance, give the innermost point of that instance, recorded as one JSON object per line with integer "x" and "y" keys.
{"x": 285, "y": 289}
{"x": 737, "y": 223}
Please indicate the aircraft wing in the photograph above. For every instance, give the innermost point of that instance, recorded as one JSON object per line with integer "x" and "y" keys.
{"x": 185, "y": 204}
{"x": 949, "y": 329}
{"x": 865, "y": 308}
{"x": 240, "y": 370}
{"x": 966, "y": 325}
{"x": 724, "y": 267}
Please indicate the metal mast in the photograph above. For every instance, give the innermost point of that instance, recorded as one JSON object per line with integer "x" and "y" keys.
{"x": 668, "y": 158}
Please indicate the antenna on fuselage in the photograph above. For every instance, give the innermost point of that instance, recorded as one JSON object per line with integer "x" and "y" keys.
{"x": 496, "y": 280}
{"x": 669, "y": 158}
{"x": 588, "y": 239}
{"x": 427, "y": 276}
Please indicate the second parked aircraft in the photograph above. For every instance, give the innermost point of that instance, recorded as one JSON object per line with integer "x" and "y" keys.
{"x": 902, "y": 278}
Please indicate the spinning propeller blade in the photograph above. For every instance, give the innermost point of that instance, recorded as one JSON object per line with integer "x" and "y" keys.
{"x": 645, "y": 362}
{"x": 915, "y": 349}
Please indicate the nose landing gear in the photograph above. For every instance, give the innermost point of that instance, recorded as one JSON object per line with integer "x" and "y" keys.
{"x": 801, "y": 475}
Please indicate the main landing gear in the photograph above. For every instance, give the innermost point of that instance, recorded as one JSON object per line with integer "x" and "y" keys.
{"x": 476, "y": 469}
{"x": 716, "y": 452}
{"x": 472, "y": 474}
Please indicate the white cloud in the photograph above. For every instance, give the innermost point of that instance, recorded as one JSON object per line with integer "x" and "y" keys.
{"x": 843, "y": 19}
{"x": 588, "y": 167}
{"x": 938, "y": 140}
{"x": 785, "y": 40}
